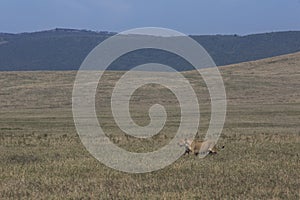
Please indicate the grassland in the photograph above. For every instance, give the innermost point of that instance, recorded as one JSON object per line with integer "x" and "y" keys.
{"x": 42, "y": 157}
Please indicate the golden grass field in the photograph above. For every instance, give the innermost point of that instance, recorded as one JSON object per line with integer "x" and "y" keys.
{"x": 42, "y": 156}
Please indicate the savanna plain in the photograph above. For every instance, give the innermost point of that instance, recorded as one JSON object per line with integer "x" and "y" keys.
{"x": 42, "y": 157}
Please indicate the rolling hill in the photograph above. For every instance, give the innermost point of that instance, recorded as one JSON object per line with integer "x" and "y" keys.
{"x": 65, "y": 49}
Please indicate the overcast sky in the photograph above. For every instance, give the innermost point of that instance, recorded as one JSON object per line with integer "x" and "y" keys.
{"x": 187, "y": 16}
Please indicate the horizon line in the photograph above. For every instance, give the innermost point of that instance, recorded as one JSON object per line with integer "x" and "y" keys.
{"x": 115, "y": 32}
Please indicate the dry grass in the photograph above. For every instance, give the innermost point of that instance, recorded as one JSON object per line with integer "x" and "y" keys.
{"x": 42, "y": 157}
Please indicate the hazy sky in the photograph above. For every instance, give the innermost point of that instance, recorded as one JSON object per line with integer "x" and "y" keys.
{"x": 187, "y": 16}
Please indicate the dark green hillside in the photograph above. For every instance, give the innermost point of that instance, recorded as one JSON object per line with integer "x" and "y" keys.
{"x": 59, "y": 49}
{"x": 235, "y": 49}
{"x": 65, "y": 49}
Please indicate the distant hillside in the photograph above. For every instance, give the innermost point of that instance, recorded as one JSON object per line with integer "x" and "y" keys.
{"x": 65, "y": 49}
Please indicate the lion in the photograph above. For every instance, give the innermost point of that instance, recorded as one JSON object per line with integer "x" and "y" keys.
{"x": 194, "y": 146}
